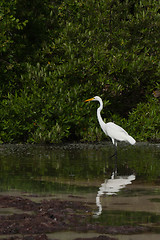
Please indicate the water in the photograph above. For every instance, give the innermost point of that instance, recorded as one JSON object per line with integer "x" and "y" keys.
{"x": 127, "y": 195}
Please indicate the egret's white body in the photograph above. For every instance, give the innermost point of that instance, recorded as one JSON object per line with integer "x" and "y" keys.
{"x": 115, "y": 132}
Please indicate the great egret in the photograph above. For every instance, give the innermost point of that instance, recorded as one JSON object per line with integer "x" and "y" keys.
{"x": 115, "y": 132}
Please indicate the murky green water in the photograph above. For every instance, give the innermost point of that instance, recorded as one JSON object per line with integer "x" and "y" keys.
{"x": 78, "y": 170}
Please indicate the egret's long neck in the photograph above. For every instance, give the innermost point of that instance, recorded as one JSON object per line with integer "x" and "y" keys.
{"x": 101, "y": 122}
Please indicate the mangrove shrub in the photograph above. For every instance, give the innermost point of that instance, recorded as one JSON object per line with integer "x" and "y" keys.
{"x": 54, "y": 55}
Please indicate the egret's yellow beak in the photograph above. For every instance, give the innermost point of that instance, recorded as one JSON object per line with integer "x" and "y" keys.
{"x": 91, "y": 99}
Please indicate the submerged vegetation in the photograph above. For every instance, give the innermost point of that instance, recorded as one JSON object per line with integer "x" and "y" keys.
{"x": 55, "y": 55}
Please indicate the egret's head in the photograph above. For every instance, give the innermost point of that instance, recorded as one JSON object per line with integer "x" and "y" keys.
{"x": 96, "y": 98}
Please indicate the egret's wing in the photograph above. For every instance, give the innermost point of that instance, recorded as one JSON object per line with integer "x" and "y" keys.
{"x": 114, "y": 127}
{"x": 116, "y": 132}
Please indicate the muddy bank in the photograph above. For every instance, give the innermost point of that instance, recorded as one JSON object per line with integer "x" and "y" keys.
{"x": 49, "y": 216}
{"x": 44, "y": 237}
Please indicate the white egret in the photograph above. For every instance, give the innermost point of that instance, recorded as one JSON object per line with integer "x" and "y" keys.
{"x": 115, "y": 132}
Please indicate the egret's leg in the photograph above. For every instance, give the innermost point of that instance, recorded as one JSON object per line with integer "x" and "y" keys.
{"x": 115, "y": 155}
{"x": 105, "y": 167}
{"x": 115, "y": 167}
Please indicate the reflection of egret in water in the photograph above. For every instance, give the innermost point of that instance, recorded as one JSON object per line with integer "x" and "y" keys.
{"x": 111, "y": 187}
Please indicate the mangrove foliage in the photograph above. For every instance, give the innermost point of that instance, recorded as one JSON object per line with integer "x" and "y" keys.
{"x": 56, "y": 54}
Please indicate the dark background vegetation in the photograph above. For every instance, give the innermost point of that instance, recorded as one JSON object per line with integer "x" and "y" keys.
{"x": 56, "y": 54}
